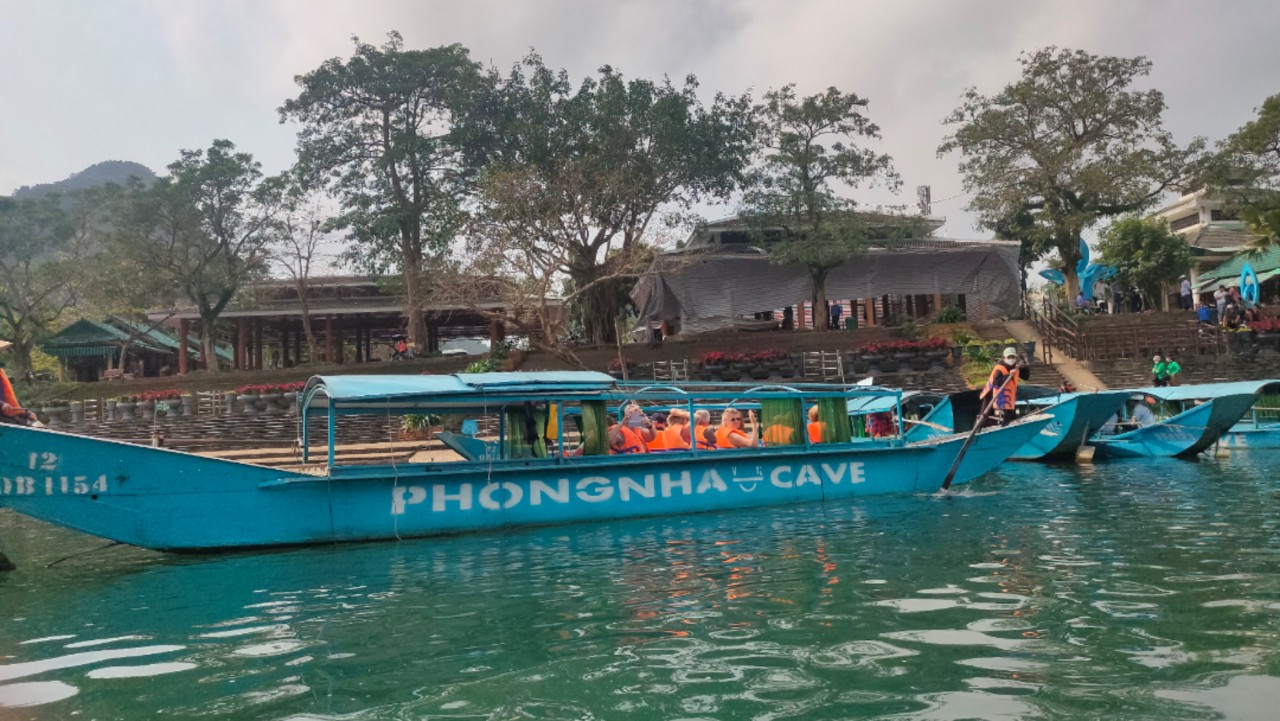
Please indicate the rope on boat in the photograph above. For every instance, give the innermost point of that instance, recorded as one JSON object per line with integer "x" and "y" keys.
{"x": 103, "y": 547}
{"x": 395, "y": 470}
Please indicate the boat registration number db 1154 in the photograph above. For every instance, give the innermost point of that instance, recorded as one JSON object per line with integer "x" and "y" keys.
{"x": 40, "y": 484}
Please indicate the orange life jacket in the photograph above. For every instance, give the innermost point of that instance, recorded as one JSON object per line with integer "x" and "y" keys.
{"x": 778, "y": 435}
{"x": 722, "y": 436}
{"x": 632, "y": 442}
{"x": 674, "y": 437}
{"x": 6, "y": 388}
{"x": 1006, "y": 398}
{"x": 815, "y": 431}
{"x": 659, "y": 442}
{"x": 703, "y": 443}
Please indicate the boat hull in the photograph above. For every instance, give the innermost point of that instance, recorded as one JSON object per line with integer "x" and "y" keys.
{"x": 1182, "y": 436}
{"x": 1247, "y": 435}
{"x": 1074, "y": 420}
{"x": 167, "y": 500}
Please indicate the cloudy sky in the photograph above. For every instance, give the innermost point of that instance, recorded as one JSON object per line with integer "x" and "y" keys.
{"x": 89, "y": 80}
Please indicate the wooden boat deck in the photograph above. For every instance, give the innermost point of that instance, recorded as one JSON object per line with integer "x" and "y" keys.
{"x": 346, "y": 454}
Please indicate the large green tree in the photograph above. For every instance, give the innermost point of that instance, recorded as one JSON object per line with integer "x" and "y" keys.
{"x": 1069, "y": 144}
{"x": 810, "y": 156}
{"x": 581, "y": 174}
{"x": 1147, "y": 254}
{"x": 198, "y": 234}
{"x": 41, "y": 261}
{"x": 1246, "y": 173}
{"x": 380, "y": 131}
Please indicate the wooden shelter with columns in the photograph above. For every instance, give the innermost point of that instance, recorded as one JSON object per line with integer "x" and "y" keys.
{"x": 353, "y": 319}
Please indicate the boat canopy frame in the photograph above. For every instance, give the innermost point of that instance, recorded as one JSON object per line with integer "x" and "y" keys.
{"x": 461, "y": 393}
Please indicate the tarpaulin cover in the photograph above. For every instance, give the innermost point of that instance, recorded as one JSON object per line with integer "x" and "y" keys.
{"x": 701, "y": 286}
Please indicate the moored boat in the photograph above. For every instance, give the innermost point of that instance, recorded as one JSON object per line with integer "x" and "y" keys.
{"x": 545, "y": 460}
{"x": 1074, "y": 418}
{"x": 1190, "y": 419}
{"x": 1259, "y": 429}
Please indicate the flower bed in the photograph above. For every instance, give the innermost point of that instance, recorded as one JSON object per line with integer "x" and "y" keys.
{"x": 889, "y": 347}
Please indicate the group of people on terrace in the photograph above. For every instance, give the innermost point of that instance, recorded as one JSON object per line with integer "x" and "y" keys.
{"x": 1228, "y": 310}
{"x": 674, "y": 430}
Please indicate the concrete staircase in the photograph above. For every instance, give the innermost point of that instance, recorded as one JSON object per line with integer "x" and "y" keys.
{"x": 1063, "y": 368}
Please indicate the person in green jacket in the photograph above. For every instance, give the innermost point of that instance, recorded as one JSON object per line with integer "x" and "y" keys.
{"x": 1163, "y": 370}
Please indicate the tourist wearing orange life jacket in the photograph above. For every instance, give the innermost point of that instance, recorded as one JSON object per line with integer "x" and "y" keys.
{"x": 730, "y": 433}
{"x": 11, "y": 411}
{"x": 815, "y": 427}
{"x": 633, "y": 433}
{"x": 677, "y": 435}
{"x": 703, "y": 432}
{"x": 659, "y": 442}
{"x": 1003, "y": 383}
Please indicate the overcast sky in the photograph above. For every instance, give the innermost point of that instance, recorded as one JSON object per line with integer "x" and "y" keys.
{"x": 89, "y": 80}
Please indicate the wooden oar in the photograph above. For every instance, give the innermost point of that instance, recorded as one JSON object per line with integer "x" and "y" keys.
{"x": 936, "y": 426}
{"x": 977, "y": 426}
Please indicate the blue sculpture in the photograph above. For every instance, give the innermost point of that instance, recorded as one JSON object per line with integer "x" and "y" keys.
{"x": 1249, "y": 286}
{"x": 1089, "y": 273}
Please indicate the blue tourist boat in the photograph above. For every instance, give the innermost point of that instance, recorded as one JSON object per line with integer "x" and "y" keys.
{"x": 544, "y": 461}
{"x": 1260, "y": 427}
{"x": 1187, "y": 420}
{"x": 1074, "y": 418}
{"x": 1252, "y": 434}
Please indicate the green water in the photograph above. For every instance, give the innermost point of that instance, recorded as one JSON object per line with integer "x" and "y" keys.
{"x": 1132, "y": 590}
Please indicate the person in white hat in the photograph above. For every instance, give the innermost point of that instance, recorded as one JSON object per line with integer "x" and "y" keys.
{"x": 1003, "y": 385}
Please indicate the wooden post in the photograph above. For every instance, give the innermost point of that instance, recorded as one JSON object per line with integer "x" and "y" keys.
{"x": 284, "y": 342}
{"x": 257, "y": 344}
{"x": 497, "y": 333}
{"x": 871, "y": 312}
{"x": 184, "y": 354}
{"x": 368, "y": 344}
{"x": 329, "y": 331}
{"x": 937, "y": 302}
{"x": 242, "y": 340}
{"x": 800, "y": 322}
{"x": 360, "y": 331}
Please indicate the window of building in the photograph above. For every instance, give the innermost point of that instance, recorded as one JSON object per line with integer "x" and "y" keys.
{"x": 1185, "y": 221}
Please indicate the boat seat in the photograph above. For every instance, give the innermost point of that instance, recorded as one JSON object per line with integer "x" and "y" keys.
{"x": 470, "y": 448}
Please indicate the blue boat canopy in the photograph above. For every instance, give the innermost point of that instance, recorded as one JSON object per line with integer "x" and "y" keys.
{"x": 404, "y": 387}
{"x": 875, "y": 404}
{"x": 1203, "y": 391}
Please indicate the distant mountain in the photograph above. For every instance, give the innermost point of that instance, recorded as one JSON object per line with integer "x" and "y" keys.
{"x": 108, "y": 171}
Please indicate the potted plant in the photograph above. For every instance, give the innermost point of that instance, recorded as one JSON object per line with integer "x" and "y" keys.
{"x": 52, "y": 411}
{"x": 290, "y": 392}
{"x": 936, "y": 350}
{"x": 622, "y": 367}
{"x": 418, "y": 426}
{"x": 248, "y": 397}
{"x": 873, "y": 354}
{"x": 715, "y": 363}
{"x": 125, "y": 405}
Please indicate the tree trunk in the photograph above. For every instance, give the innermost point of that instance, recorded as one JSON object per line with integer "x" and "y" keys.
{"x": 600, "y": 307}
{"x": 303, "y": 290}
{"x": 413, "y": 301}
{"x": 209, "y": 343}
{"x": 22, "y": 347}
{"x": 821, "y": 314}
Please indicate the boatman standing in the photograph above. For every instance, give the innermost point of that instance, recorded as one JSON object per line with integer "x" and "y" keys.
{"x": 1003, "y": 383}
